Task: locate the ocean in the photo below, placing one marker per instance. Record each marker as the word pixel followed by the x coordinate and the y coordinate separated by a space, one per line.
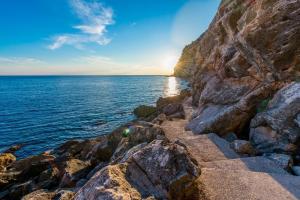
pixel 42 112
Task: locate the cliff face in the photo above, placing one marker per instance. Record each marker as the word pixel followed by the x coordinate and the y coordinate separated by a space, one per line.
pixel 257 39
pixel 250 51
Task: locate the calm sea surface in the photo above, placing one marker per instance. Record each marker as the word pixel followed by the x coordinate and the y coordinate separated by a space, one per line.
pixel 43 112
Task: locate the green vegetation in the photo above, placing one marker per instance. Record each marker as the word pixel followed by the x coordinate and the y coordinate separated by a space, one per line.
pixel 263 105
pixel 144 111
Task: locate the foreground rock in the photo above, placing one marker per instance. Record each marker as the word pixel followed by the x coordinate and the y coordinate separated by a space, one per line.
pixel 72 164
pixel 276 129
pixel 159 170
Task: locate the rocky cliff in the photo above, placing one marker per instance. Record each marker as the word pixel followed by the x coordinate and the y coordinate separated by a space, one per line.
pixel 250 51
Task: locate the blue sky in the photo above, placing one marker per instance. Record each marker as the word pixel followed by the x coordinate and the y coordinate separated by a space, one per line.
pixel 50 37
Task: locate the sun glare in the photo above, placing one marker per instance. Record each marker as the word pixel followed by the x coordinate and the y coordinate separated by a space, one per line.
pixel 169 63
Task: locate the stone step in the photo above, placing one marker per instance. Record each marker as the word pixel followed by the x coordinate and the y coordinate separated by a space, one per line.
pixel 210 147
pixel 174 130
pixel 255 164
pixel 220 184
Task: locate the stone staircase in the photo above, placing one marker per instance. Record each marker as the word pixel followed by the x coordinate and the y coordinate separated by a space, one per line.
pixel 227 176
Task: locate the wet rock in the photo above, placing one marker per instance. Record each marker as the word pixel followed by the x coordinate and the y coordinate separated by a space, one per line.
pixel 144 111
pixel 275 129
pixel 73 171
pixel 13 149
pixel 161 170
pixel 5 160
pixel 243 147
pixel 283 160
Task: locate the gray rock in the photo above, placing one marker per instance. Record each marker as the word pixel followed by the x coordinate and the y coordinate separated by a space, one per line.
pixel 172 109
pixel 296 170
pixel 248 45
pixel 230 137
pixel 96 169
pixel 136 135
pixel 160 169
pixel 275 129
pixel 222 119
pixel 283 160
pixel 297 120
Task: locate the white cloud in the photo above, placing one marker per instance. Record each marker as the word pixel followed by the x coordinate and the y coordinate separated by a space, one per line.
pixel 95 19
pixel 21 61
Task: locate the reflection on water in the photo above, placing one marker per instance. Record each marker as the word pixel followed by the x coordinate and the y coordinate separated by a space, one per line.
pixel 172 86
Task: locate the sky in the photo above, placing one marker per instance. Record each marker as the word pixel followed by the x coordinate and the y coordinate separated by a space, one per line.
pixel 98 37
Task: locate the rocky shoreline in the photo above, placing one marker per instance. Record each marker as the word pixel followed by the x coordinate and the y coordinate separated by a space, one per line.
pixel 135 161
pixel 235 135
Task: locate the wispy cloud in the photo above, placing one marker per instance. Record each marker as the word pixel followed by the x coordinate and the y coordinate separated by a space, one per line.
pixel 19 61
pixel 95 18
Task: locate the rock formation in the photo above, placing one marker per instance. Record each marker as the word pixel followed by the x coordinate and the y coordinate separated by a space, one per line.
pixel 235 136
pixel 249 52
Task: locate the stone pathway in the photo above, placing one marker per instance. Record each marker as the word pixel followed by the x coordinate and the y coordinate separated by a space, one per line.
pixel 226 176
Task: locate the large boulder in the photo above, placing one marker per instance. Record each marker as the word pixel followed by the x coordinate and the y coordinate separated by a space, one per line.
pixel 23 170
pixel 76 149
pixel 144 111
pixel 174 110
pixel 160 170
pixel 223 119
pixel 249 45
pixel 276 128
pixel 135 135
pixel 164 101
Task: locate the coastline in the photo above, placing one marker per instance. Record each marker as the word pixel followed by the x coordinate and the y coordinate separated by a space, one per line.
pixel 72 164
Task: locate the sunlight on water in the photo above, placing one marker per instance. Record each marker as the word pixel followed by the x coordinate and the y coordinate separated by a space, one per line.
pixel 172 87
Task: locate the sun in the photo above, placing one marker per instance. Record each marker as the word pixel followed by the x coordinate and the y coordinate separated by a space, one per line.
pixel 169 62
